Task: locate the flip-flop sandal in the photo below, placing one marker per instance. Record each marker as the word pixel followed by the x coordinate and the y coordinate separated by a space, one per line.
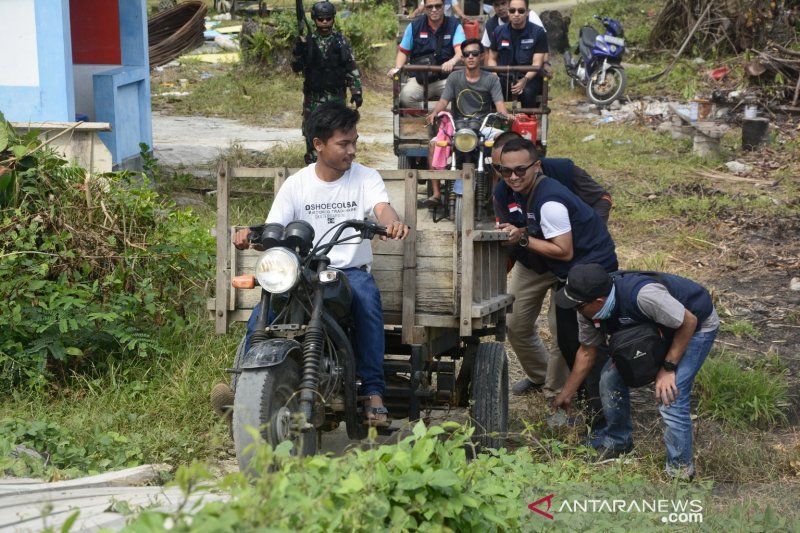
pixel 375 411
pixel 432 202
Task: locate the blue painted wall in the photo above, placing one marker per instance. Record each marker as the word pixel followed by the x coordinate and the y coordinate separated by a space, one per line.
pixel 54 99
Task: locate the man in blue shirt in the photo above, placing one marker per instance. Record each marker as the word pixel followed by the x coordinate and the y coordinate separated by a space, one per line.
pixel 434 39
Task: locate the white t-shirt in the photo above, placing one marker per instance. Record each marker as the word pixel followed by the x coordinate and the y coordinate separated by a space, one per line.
pixel 554 220
pixel 532 16
pixel 324 204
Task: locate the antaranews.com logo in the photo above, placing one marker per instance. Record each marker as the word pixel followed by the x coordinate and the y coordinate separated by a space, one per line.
pixel 672 511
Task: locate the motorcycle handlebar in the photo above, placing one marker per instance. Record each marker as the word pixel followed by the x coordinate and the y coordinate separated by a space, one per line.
pixel 368 229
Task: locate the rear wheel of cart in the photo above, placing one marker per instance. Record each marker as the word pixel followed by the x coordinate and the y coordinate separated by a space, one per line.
pixel 490 395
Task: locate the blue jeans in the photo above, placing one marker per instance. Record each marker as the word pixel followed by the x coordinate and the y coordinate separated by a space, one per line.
pixel 615 395
pixel 370 343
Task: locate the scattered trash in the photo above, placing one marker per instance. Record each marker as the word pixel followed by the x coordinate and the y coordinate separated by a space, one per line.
pixel 589 138
pixel 230 29
pixel 175 93
pixel 222 16
pixel 206 75
pixel 231 57
pixel 719 73
pixel 226 43
pixel 626 141
pixel 737 167
pixel 209 35
pixel 698 60
pixel 795 284
pixel 606 119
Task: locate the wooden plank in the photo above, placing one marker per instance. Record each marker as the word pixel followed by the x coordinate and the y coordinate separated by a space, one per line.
pixel 467 251
pixel 223 261
pixel 409 273
pixel 137 475
pixel 491 305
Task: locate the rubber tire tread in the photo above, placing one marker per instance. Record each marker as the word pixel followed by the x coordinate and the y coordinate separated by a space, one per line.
pixel 489 395
pixel 253 390
pixel 623 81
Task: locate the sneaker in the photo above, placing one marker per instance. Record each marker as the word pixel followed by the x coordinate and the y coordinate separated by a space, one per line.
pixel 607 454
pixel 525 386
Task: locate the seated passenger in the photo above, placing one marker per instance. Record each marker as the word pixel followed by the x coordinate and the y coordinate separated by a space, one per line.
pixel 430 40
pixel 520 43
pixel 472 92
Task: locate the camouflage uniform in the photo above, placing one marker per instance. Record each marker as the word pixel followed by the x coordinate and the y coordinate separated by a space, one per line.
pixel 328 72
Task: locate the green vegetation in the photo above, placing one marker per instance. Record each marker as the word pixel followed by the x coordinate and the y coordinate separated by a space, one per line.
pixel 740 328
pixel 742 393
pixel 427 483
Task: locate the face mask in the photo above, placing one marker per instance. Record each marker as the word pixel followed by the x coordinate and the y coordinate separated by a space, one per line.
pixel 608 308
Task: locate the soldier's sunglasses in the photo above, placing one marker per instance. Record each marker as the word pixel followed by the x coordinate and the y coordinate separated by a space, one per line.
pixel 507 171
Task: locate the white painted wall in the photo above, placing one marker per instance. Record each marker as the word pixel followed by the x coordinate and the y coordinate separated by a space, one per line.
pixel 19 60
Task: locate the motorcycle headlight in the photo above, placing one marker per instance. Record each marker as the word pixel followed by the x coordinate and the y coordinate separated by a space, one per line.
pixel 277 270
pixel 465 140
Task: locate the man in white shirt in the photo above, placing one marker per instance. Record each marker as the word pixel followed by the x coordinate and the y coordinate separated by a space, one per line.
pixel 330 191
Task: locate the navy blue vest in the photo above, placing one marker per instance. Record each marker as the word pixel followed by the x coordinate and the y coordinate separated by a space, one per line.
pixel 591 242
pixel 559 168
pixel 692 295
pixel 491 25
pixel 427 45
pixel 507 54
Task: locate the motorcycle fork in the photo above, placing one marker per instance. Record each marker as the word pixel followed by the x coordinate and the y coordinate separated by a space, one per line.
pixel 313 343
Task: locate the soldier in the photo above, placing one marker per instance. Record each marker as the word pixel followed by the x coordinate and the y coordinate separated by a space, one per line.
pixel 328 66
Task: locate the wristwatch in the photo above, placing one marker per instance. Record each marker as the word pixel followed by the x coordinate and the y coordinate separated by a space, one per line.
pixel 523 241
pixel 669 366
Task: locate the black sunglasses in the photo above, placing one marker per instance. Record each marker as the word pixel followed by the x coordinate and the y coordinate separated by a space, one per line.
pixel 433 7
pixel 324 19
pixel 472 53
pixel 519 171
pixel 520 10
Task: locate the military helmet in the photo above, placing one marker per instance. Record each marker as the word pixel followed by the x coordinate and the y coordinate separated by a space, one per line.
pixel 323 10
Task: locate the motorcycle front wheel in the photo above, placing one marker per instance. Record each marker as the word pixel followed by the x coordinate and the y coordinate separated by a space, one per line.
pixel 265 400
pixel 611 88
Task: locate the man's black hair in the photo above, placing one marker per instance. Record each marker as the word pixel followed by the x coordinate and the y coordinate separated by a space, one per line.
pixel 470 41
pixel 328 118
pixel 504 137
pixel 526 3
pixel 520 144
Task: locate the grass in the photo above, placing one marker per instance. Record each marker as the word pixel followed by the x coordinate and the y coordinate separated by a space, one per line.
pixel 741 392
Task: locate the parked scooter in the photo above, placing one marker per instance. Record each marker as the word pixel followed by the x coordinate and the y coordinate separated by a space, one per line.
pixel 598 65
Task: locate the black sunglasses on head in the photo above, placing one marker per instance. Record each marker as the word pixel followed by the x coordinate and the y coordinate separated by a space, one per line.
pixel 507 171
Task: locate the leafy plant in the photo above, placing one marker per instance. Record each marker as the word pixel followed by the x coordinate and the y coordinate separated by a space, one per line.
pixel 88 265
pixel 740 328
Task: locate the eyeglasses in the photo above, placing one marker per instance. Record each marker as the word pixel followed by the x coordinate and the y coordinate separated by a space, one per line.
pixel 434 7
pixel 472 53
pixel 520 10
pixel 324 19
pixel 519 171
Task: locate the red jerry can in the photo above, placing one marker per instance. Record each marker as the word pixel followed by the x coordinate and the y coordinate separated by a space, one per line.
pixel 472 29
pixel 526 126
